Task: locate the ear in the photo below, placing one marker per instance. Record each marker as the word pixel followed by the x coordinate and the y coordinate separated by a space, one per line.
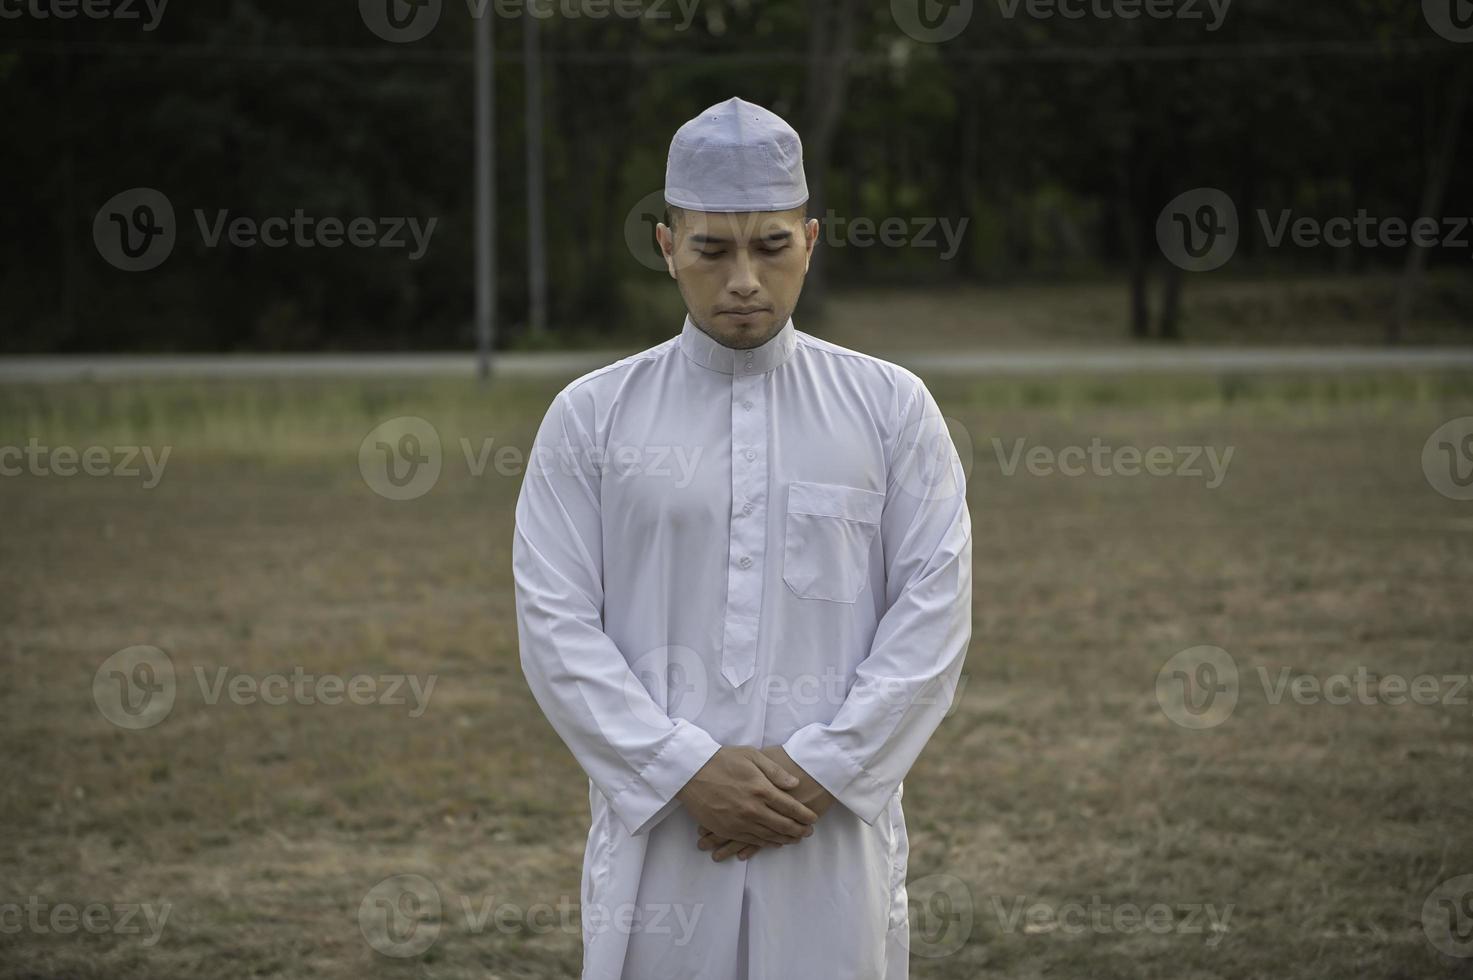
pixel 666 238
pixel 810 234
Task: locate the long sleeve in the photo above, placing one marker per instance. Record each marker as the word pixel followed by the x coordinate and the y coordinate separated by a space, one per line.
pixel 629 747
pixel 905 685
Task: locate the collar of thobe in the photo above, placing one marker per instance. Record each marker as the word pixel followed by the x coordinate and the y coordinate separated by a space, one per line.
pixel 710 353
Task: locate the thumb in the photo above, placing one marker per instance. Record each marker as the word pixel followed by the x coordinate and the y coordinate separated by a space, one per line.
pixel 779 776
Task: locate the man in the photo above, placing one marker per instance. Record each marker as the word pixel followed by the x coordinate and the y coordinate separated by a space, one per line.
pixel 743 565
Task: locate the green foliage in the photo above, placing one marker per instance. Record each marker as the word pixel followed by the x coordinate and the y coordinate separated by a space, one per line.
pixel 1050 137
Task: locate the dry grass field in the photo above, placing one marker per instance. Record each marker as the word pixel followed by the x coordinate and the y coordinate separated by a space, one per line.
pixel 1062 823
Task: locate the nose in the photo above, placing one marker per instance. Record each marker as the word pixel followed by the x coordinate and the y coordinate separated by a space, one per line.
pixel 743 282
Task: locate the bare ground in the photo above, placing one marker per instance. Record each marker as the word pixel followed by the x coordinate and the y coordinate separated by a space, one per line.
pixel 1317 829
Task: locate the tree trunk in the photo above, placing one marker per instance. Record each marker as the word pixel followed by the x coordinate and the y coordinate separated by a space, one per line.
pixel 1170 327
pixel 830 46
pixel 1434 190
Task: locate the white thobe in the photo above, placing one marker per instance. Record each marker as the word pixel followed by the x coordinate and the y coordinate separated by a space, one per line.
pixel 744 547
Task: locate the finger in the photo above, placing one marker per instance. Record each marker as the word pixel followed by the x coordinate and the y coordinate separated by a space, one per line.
pixel 791 808
pixel 759 836
pixel 771 838
pixel 755 830
pixel 748 851
pixel 776 823
pixel 780 777
pixel 729 849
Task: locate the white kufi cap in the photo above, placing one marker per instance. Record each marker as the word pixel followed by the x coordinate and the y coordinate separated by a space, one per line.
pixel 735 156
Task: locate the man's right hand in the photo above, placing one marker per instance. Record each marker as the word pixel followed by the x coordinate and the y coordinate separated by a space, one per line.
pixel 741 795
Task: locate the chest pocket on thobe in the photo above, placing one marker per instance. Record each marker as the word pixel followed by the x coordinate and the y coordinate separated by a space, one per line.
pixel 829 531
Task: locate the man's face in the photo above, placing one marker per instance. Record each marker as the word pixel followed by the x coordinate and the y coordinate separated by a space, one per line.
pixel 739 272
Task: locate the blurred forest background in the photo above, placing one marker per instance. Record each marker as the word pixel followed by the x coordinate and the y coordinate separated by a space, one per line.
pixel 1054 149
pixel 1058 141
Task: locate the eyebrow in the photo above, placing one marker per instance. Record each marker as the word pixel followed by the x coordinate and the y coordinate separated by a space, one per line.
pixel 699 238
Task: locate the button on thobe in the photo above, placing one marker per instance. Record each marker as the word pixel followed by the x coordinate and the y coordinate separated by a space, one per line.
pixel 832 617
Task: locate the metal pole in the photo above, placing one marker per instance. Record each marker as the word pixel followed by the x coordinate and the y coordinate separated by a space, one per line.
pixel 485 197
pixel 536 237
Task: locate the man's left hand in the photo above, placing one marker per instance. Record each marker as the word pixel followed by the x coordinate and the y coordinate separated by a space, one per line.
pixel 809 792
